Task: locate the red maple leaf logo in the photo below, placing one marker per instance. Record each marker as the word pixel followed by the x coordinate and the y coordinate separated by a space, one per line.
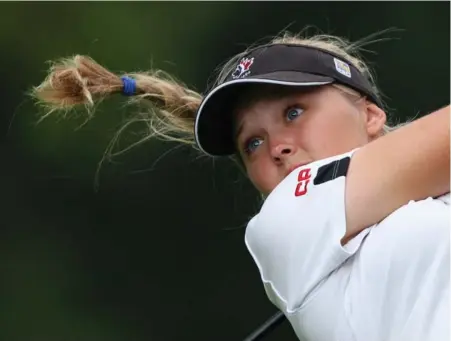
pixel 246 63
pixel 243 67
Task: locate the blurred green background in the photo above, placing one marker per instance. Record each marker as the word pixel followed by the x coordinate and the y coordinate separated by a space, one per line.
pixel 157 252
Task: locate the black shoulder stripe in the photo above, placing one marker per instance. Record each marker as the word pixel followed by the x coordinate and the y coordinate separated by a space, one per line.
pixel 332 170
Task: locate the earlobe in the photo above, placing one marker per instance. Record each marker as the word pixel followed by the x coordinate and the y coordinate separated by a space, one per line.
pixel 375 120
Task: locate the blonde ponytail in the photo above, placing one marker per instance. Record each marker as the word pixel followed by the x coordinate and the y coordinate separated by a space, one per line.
pixel 80 81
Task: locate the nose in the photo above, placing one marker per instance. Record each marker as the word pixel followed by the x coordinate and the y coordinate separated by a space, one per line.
pixel 282 151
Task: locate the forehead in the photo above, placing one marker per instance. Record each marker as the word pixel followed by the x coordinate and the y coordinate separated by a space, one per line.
pixel 255 95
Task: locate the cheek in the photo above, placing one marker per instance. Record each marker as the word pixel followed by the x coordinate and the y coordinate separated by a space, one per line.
pixel 333 133
pixel 263 174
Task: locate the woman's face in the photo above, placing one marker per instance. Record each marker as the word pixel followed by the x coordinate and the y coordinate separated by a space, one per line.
pixel 276 135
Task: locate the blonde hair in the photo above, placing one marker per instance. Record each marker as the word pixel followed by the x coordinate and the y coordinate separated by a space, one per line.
pixel 79 81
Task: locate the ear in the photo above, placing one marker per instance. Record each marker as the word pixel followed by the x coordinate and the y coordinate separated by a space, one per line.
pixel 375 120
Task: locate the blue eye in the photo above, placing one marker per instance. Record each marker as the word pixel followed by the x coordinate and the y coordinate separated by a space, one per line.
pixel 252 144
pixel 293 113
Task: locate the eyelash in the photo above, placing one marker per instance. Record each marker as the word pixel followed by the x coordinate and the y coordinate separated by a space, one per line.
pixel 286 112
pixel 247 143
pixel 290 109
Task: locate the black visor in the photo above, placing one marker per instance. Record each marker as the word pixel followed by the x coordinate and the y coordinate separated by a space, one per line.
pixel 280 64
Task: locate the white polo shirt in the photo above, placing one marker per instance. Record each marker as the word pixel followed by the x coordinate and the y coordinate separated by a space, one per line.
pixel 389 283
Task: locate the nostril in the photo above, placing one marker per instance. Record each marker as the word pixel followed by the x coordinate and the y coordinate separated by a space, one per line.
pixel 286 151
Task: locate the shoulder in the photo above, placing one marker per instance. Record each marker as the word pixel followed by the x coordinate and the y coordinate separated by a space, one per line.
pixel 304 182
pixel 308 191
pixel 295 239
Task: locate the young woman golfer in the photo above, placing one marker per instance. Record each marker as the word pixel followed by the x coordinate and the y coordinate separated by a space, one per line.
pixel 352 240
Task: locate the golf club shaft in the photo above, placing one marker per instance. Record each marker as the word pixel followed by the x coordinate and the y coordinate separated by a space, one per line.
pixel 266 327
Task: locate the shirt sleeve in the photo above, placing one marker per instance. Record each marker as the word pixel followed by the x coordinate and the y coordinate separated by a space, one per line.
pixel 295 239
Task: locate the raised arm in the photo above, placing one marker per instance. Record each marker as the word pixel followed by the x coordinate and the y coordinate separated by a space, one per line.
pixel 411 163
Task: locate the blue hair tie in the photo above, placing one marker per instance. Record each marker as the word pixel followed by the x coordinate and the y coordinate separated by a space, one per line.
pixel 129 86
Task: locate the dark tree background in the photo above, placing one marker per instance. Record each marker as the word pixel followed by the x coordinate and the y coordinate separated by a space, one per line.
pixel 157 252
